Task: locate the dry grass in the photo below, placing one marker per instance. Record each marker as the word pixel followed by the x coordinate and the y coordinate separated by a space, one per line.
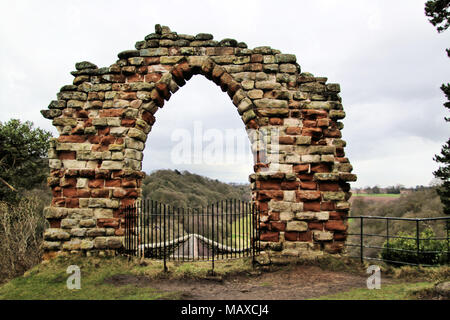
pixel 21 228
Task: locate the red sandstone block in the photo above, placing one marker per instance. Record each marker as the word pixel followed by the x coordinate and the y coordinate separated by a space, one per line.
pixel 128 122
pixel 311 206
pixel 332 133
pixel 58 202
pixel 298 236
pixel 72 139
pixel 320 168
pixel 111 112
pixel 314 112
pixel 256 57
pixel 340 236
pixel 83 114
pixel 269 236
pixel 312 132
pixel 327 206
pixel 308 185
pixel 315 225
pixel 127 95
pixel 67 155
pixel 129 183
pixel 338 215
pixel 334 247
pixel 306 176
pixel 329 186
pixel 148 117
pixel 126 202
pixel 293 130
pixel 254 67
pixel 88 122
pixel 56 192
pixel 340 152
pixel 113 183
pixel 84 193
pixel 94 139
pixel 308 195
pixel 252 124
pixel 103 132
pixel 290 185
pixel 100 193
pixel 277 226
pixel 72 203
pixel 68 182
pixel 268 185
pixel 275 121
pixel 54 223
pixel 335 225
pixel 135 78
pixel 301 168
pixel 286 140
pixel 108 223
pixel 270 194
pixel 70 192
pixel 96 183
pixel 163 90
pixel 119 232
pixel 107 140
pixel 274 216
pixel 151 60
pixel 309 123
pixel 87 173
pixel 263 206
pixel 323 122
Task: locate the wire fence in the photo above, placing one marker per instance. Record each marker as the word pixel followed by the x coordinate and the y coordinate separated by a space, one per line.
pixel 391 240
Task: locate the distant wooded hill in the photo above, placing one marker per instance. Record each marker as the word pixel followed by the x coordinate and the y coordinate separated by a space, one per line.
pixel 185 189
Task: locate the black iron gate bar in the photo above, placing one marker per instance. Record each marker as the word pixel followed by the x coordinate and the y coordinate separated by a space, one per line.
pixel 223 230
pixel 388 236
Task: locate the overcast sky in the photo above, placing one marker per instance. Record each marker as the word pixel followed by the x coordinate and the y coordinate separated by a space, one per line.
pixel 389 60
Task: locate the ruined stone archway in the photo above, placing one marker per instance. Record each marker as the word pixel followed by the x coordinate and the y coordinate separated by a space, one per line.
pixel 104 117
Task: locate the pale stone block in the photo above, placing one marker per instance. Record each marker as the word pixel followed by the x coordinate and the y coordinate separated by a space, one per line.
pixel 289 196
pixel 299 226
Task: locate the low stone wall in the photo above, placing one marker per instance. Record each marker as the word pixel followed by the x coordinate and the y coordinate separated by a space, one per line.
pixel 300 183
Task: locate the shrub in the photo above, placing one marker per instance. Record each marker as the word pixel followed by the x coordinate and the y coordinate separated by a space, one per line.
pixel 431 251
pixel 21 227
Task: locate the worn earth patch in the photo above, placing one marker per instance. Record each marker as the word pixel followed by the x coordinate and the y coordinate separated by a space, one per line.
pixel 294 283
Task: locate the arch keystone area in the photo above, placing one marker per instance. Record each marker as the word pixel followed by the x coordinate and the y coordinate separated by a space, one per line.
pixel 300 183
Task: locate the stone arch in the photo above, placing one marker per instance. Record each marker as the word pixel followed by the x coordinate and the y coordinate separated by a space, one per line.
pixel 104 118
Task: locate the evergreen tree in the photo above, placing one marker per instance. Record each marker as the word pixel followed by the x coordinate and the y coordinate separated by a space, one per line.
pixel 23 156
pixel 438 12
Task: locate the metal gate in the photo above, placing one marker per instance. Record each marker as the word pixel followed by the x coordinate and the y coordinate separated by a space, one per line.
pixel 223 230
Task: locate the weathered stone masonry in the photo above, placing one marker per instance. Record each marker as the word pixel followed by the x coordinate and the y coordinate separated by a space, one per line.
pixel 104 118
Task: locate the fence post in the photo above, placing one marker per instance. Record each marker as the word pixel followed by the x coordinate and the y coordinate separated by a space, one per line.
pixel 252 232
pixel 361 239
pixel 164 244
pixel 448 245
pixel 212 225
pixel 387 232
pixel 417 241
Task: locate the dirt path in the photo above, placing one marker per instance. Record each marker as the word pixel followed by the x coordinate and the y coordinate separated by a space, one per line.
pixel 295 283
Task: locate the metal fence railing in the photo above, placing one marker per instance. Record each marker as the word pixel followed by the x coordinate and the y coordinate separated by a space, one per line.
pixel 400 241
pixel 223 230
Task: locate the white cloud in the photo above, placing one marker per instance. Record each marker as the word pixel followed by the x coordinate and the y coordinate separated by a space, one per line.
pixel 388 58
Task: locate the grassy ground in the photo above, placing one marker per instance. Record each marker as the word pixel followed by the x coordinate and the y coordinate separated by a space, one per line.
pixel 48 281
pixel 402 291
pixel 390 195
